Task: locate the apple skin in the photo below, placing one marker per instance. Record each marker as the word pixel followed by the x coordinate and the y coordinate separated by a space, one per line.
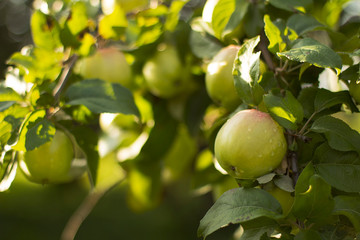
pixel 354 89
pixel 51 163
pixel 164 73
pixel 108 64
pixel 219 79
pixel 285 198
pixel 250 144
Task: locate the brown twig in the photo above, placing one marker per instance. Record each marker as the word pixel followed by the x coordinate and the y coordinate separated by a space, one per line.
pixel 69 64
pixel 265 52
pixel 83 211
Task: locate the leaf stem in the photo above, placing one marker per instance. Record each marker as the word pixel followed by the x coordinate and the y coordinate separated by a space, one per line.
pixel 307 123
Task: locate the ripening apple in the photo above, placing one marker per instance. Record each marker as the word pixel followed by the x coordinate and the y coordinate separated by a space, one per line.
pixel 219 78
pixel 108 64
pixel 52 162
pixel 250 144
pixel 165 75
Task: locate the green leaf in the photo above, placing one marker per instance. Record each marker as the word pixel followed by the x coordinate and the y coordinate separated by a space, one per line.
pixel 339 135
pixel 274 34
pixel 339 169
pixel 238 206
pixel 286 111
pixel 246 73
pixel 256 228
pixel 307 98
pixel 35 131
pixel 326 99
pixel 8 167
pixel 45 31
pixel 113 26
pixel 236 18
pixel 8 94
pixel 5 105
pixel 348 206
pixel 308 235
pixel 202 43
pixel 291 5
pixel 221 16
pixel 313 200
pixel 310 51
pixel 161 136
pixel 174 13
pixel 100 96
pixel 302 24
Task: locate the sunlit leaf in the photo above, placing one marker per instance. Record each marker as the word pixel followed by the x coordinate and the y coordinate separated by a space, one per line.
pixel 286 111
pixel 310 51
pixel 35 131
pixel 273 33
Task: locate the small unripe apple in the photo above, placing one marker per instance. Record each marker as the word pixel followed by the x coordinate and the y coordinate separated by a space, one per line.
pixel 250 144
pixel 219 78
pixel 285 198
pixel 52 162
pixel 164 73
pixel 108 64
pixel 354 89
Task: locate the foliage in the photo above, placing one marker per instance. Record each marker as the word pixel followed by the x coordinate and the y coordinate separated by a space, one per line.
pixel 311 50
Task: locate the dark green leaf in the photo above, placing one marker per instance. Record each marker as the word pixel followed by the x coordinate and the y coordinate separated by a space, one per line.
pixel 339 169
pixel 308 235
pixel 100 96
pixel 310 51
pixel 303 23
pixel 326 99
pixel 339 135
pixel 307 98
pixel 291 5
pixel 35 131
pixel 246 73
pixel 348 206
pixel 237 206
pixel 313 200
pixel 286 111
pixel 256 228
pixel 351 73
pixel 161 136
pixel 202 44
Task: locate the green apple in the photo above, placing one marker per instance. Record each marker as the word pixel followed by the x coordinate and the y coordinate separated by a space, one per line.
pixel 219 79
pixel 52 162
pixel 354 89
pixel 250 144
pixel 165 75
pixel 285 198
pixel 108 64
